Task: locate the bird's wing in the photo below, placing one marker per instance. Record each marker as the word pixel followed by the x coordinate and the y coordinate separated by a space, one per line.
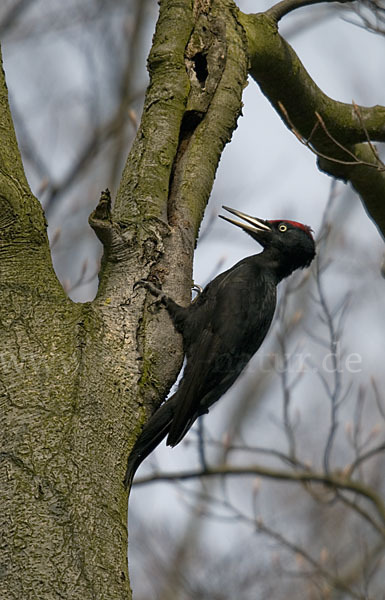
pixel 230 329
pixel 193 386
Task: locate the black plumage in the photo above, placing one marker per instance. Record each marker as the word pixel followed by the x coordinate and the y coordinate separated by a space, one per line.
pixel 224 327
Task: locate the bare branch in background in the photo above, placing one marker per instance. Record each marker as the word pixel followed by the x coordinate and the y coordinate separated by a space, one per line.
pixel 371 15
pixel 10 15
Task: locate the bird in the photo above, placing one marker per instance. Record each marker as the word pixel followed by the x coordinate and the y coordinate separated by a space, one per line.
pixel 223 327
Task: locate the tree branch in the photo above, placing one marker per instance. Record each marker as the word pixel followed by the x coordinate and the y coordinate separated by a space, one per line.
pixel 332 480
pixel 346 128
pixel 22 225
pixel 283 8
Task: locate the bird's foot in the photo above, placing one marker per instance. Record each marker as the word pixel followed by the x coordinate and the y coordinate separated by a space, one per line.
pixel 198 290
pixel 150 287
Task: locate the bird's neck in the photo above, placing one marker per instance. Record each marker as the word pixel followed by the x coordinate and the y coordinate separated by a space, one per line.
pixel 280 265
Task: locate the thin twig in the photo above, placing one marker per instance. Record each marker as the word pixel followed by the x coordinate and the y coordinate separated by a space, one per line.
pixel 363 457
pixel 370 143
pixel 306 142
pixel 285 458
pixel 380 407
pixel 333 139
pixel 364 514
pixel 286 400
pixel 333 392
pixel 335 582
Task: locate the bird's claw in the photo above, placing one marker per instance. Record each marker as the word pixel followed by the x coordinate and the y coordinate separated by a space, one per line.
pixel 198 290
pixel 139 283
pixel 150 287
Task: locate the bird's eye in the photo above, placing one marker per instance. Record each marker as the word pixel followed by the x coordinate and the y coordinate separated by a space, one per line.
pixel 282 227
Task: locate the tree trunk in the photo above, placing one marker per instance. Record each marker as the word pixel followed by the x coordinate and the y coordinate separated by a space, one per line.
pixel 78 381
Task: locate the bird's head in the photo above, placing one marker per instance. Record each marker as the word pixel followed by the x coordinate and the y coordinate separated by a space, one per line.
pixel 288 242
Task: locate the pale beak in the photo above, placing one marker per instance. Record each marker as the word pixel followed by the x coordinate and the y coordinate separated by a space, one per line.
pixel 252 224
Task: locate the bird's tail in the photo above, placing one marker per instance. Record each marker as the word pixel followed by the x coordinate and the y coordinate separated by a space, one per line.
pixel 153 433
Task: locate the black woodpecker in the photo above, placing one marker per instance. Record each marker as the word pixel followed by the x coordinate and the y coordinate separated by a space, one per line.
pixel 224 327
